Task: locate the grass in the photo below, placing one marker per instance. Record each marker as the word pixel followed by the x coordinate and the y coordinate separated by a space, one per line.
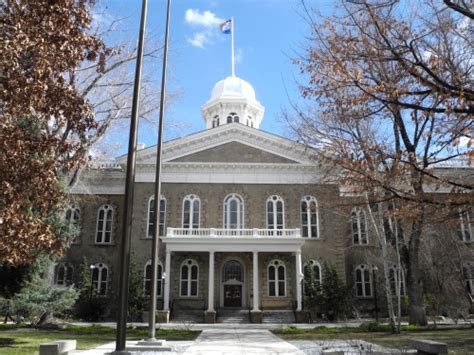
pixel 21 340
pixel 460 341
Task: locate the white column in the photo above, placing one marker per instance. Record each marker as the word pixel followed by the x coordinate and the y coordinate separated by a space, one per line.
pixel 299 277
pixel 166 305
pixel 210 292
pixel 255 283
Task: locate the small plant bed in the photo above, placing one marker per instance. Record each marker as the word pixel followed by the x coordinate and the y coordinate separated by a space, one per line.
pixel 460 341
pixel 24 340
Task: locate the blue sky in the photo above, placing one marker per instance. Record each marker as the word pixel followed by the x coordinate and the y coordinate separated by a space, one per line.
pixel 267 33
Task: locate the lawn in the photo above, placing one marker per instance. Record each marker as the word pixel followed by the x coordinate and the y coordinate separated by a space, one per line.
pixel 16 340
pixel 460 341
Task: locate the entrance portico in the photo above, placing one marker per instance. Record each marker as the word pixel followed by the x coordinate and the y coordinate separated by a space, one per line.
pixel 236 286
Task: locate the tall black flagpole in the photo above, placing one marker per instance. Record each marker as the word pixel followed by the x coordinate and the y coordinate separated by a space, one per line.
pixel 156 226
pixel 129 192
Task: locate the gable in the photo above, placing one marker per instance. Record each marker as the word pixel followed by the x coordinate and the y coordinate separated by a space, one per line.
pixel 234 152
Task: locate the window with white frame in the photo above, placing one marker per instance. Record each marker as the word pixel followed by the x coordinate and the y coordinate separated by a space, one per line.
pixel 105 219
pixel 275 213
pixel 396 278
pixel 215 121
pixel 72 217
pixel 359 227
pixel 100 275
pixel 276 279
pixel 233 212
pixel 191 211
pixel 464 227
pixel 189 278
pixel 151 216
pixel 363 281
pixel 147 279
pixel 63 274
pixel 309 217
pixel 232 117
pixel 312 275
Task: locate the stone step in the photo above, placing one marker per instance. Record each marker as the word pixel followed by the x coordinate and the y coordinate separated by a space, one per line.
pixel 277 316
pixel 187 316
pixel 240 316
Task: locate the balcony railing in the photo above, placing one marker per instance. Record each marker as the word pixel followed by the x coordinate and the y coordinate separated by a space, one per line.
pixel 231 233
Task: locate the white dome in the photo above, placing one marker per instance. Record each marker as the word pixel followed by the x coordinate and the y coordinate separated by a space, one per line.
pixel 233 88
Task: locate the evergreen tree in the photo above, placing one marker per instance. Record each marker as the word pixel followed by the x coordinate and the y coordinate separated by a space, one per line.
pixel 136 295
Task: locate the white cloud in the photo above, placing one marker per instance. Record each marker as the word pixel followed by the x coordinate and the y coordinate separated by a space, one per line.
pixel 206 24
pixel 239 56
pixel 198 40
pixel 204 18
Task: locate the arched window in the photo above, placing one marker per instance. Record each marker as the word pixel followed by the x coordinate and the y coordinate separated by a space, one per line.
pixel 359 227
pixel 72 217
pixel 189 278
pixel 233 271
pixel 151 216
pixel 63 275
pixel 275 213
pixel 191 211
pixel 397 281
pixel 233 212
pixel 215 121
pixel 100 274
pixel 147 279
pixel 464 227
pixel 312 276
pixel 309 217
pixel 276 279
pixel 363 281
pixel 105 219
pixel 233 117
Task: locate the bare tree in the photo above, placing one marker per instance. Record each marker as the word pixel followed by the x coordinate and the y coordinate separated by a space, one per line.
pixel 390 92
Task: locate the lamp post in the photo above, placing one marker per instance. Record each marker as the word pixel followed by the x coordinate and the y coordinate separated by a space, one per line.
pixel 91 267
pixel 374 270
pixel 163 279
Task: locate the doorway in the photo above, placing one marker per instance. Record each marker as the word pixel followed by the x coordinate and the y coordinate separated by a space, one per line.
pixel 232 286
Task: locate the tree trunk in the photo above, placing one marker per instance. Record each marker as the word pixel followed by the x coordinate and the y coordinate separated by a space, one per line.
pixel 417 314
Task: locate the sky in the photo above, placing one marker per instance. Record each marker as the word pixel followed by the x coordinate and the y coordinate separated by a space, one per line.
pixel 267 34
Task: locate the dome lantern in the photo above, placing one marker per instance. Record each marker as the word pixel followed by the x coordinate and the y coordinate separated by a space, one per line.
pixel 233 100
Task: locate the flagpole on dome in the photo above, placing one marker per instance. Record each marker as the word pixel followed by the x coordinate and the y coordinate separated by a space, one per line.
pixel 232 40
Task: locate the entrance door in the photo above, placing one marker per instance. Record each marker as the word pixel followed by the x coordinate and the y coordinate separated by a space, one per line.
pixel 232 295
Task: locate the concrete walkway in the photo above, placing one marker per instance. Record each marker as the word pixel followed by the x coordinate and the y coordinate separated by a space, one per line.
pixel 240 341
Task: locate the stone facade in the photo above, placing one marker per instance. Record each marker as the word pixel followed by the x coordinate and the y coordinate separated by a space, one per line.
pixel 211 165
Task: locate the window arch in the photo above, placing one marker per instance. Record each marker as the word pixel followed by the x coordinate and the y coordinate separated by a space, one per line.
pixel 105 219
pixel 397 280
pixel 233 270
pixel 147 279
pixel 464 227
pixel 100 275
pixel 363 281
pixel 275 213
pixel 312 275
pixel 359 226
pixel 151 216
pixel 276 279
pixel 63 274
pixel 215 121
pixel 191 211
pixel 189 278
pixel 232 117
pixel 233 212
pixel 309 217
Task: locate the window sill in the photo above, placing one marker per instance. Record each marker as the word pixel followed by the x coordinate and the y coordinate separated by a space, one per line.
pixel 104 244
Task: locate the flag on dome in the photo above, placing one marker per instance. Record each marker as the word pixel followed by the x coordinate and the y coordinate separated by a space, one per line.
pixel 226 27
